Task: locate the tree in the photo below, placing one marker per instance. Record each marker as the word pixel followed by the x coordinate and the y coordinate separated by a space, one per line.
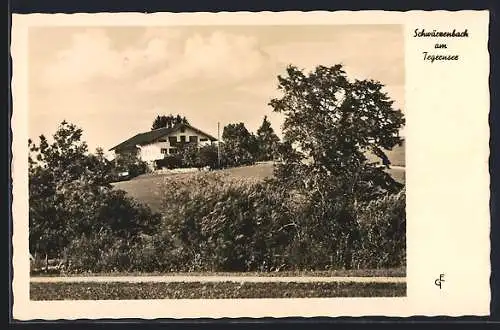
pixel 240 146
pixel 101 167
pixel 70 194
pixel 208 156
pixel 52 166
pixel 190 155
pixel 267 141
pixel 168 121
pixel 131 162
pixel 330 125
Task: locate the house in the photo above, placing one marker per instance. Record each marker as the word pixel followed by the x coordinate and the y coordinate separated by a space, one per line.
pixel 156 144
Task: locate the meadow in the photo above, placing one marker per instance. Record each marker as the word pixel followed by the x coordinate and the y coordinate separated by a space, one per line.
pixel 384 272
pixel 149 188
pixel 211 290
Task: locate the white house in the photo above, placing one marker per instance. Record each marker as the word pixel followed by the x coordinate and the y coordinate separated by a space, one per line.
pixel 155 144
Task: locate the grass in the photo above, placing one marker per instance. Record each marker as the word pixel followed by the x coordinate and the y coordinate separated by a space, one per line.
pixel 390 272
pixel 396 156
pixel 216 290
pixel 148 188
pixel 398 173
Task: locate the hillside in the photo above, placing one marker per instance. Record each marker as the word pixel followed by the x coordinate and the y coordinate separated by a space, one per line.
pixel 148 188
pixel 396 156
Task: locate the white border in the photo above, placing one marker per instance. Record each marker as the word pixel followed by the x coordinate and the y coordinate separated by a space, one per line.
pixel 447 176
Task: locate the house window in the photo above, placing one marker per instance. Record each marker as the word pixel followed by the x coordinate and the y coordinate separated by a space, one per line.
pixel 183 129
pixel 164 150
pixel 203 139
pixel 172 150
pixel 172 140
pixel 193 139
pixel 183 139
pixel 162 140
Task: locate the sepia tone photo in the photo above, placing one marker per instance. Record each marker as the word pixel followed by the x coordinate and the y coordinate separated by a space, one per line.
pixel 216 162
pixel 272 164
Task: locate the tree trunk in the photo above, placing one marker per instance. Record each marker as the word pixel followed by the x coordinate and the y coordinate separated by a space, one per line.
pixel 46 262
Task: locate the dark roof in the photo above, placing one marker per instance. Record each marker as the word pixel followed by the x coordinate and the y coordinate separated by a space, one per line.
pixel 148 137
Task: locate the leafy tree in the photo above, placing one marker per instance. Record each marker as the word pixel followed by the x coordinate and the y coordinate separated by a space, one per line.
pixel 168 121
pixel 101 167
pixel 51 167
pixel 240 146
pixel 131 162
pixel 267 140
pixel 208 156
pixel 330 125
pixel 70 194
pixel 190 155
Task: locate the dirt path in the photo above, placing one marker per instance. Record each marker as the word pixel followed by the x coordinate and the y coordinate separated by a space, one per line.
pixel 252 279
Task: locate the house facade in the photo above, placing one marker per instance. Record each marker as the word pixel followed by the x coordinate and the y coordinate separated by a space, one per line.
pixel 156 144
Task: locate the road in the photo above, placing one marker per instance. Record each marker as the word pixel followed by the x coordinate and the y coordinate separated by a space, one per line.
pixel 239 279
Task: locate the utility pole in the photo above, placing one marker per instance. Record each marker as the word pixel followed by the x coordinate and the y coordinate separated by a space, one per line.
pixel 218 144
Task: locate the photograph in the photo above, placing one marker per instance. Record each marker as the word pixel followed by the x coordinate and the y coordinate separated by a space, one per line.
pixel 250 165
pixel 216 162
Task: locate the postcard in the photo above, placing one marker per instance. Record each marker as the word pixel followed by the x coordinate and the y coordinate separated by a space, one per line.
pixel 209 165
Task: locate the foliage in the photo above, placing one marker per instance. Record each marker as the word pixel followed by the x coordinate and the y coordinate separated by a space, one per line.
pixel 170 161
pixel 168 121
pixel 223 224
pixel 267 141
pixel 240 146
pixel 70 196
pixel 383 228
pixel 189 154
pixel 331 123
pixel 327 207
pixel 130 161
pixel 208 156
pixel 214 222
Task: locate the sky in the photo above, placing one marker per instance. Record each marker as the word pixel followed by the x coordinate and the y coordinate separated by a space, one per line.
pixel 113 81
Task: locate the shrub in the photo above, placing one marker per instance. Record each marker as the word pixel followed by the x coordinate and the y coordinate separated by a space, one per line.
pixel 219 223
pixel 226 224
pixel 97 253
pixel 382 224
pixel 208 156
pixel 212 222
pixel 170 161
pixel 138 168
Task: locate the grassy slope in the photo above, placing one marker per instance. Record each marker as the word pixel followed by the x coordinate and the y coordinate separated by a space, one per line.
pixel 396 156
pixel 148 188
pixel 220 290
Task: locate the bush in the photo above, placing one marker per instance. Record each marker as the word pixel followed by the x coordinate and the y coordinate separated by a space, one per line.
pixel 223 224
pixel 212 222
pixel 97 253
pixel 208 156
pixel 138 168
pixel 170 161
pixel 96 225
pixel 382 224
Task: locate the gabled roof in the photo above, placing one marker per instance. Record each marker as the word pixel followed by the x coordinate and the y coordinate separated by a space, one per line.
pixel 153 135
